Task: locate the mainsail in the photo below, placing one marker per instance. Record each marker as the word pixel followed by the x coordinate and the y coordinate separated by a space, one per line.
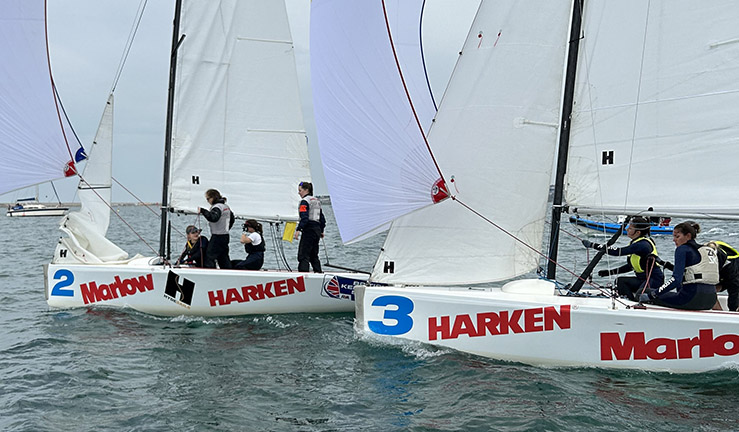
pixel 238 123
pixel 36 139
pixel 656 108
pixel 375 159
pixel 494 136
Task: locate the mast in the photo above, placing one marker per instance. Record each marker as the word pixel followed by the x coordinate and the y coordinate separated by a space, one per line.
pixel 564 134
pixel 176 41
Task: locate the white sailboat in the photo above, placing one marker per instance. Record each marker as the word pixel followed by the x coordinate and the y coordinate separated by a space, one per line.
pixel 643 82
pixel 234 124
pixel 31 207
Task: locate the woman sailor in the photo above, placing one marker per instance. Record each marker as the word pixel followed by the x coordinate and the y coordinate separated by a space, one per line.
pixel 311 225
pixel 642 259
pixel 220 219
pixel 695 275
pixel 253 242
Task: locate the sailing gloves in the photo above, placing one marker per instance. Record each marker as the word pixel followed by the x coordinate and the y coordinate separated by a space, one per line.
pixel 589 244
pixel 604 273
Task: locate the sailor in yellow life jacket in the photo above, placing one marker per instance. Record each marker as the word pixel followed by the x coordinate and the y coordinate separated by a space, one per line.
pixel 642 259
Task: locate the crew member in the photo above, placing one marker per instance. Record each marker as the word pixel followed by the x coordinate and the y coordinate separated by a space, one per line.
pixel 695 275
pixel 220 219
pixel 195 248
pixel 311 225
pixel 253 241
pixel 642 259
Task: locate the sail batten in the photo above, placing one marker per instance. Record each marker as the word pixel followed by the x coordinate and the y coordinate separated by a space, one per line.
pixel 659 130
pixel 238 121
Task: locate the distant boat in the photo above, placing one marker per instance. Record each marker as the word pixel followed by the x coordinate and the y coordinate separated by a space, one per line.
pixel 612 228
pixel 27 207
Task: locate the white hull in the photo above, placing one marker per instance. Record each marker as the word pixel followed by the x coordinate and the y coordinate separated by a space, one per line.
pixel 52 211
pixel 168 291
pixel 545 329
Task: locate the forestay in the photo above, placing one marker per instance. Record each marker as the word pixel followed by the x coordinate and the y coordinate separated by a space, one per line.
pixel 375 159
pixel 238 120
pixel 656 108
pixel 36 139
pixel 495 135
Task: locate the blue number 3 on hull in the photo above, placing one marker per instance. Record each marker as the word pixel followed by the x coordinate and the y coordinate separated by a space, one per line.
pixel 402 315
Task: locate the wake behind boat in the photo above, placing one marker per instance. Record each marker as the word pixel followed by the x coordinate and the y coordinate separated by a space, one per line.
pixel 611 228
pixel 467 203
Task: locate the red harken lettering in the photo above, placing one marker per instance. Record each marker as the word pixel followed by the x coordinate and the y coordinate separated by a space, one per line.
pixel 503 322
pixel 257 292
pixel 634 345
pixel 93 293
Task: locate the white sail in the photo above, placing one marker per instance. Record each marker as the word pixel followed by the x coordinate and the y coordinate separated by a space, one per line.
pixel 656 108
pixel 86 228
pixel 495 134
pixel 238 120
pixel 36 140
pixel 375 159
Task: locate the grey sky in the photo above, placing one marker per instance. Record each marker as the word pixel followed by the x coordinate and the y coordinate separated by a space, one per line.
pixel 87 38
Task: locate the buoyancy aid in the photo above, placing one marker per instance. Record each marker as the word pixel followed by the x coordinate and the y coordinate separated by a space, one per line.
pixel 223 224
pixel 636 261
pixel 251 247
pixel 731 253
pixel 706 270
pixel 314 208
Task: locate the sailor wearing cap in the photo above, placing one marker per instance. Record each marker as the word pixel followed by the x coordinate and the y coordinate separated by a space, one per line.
pixel 642 259
pixel 195 248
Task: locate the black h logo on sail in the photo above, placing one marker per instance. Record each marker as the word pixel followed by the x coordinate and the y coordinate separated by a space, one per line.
pixel 389 267
pixel 195 179
pixel 607 157
pixel 185 289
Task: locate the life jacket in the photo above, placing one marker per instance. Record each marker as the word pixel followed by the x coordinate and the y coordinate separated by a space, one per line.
pixel 251 247
pixel 730 252
pixel 223 224
pixel 314 208
pixel 636 261
pixel 706 270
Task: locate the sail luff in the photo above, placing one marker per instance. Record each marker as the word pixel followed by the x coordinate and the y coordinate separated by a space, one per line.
pixel 168 129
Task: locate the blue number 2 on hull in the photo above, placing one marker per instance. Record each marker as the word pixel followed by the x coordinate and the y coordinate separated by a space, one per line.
pixel 402 315
pixel 67 279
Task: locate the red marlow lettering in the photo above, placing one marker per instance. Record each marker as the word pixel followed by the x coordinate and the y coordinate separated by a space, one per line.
pixel 705 342
pixel 89 293
pixel 719 345
pixel 296 284
pixel 611 346
pixel 232 295
pixel 104 292
pixel 144 283
pixel 562 318
pixel 463 325
pixel 487 322
pixel 129 286
pixel 439 327
pixel 216 298
pixel 685 347
pixel 280 288
pixel 531 317
pixel 668 353
pixel 510 323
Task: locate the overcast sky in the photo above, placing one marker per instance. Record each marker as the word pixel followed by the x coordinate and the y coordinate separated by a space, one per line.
pixel 87 38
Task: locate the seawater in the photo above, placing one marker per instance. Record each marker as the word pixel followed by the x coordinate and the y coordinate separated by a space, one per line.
pixel 110 370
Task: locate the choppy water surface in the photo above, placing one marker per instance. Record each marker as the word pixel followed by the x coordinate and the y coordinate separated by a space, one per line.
pixel 99 369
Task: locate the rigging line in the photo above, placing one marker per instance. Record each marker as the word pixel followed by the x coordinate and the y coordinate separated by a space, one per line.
pixel 82 179
pixel 57 195
pixel 636 105
pixel 129 43
pixel 593 284
pixel 423 58
pixel 133 195
pixel 53 86
pixel 408 95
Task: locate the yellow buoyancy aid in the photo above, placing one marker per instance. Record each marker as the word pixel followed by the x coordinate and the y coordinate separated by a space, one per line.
pixel 635 260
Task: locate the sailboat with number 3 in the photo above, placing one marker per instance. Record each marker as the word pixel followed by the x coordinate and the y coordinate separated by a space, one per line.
pixel 467 202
